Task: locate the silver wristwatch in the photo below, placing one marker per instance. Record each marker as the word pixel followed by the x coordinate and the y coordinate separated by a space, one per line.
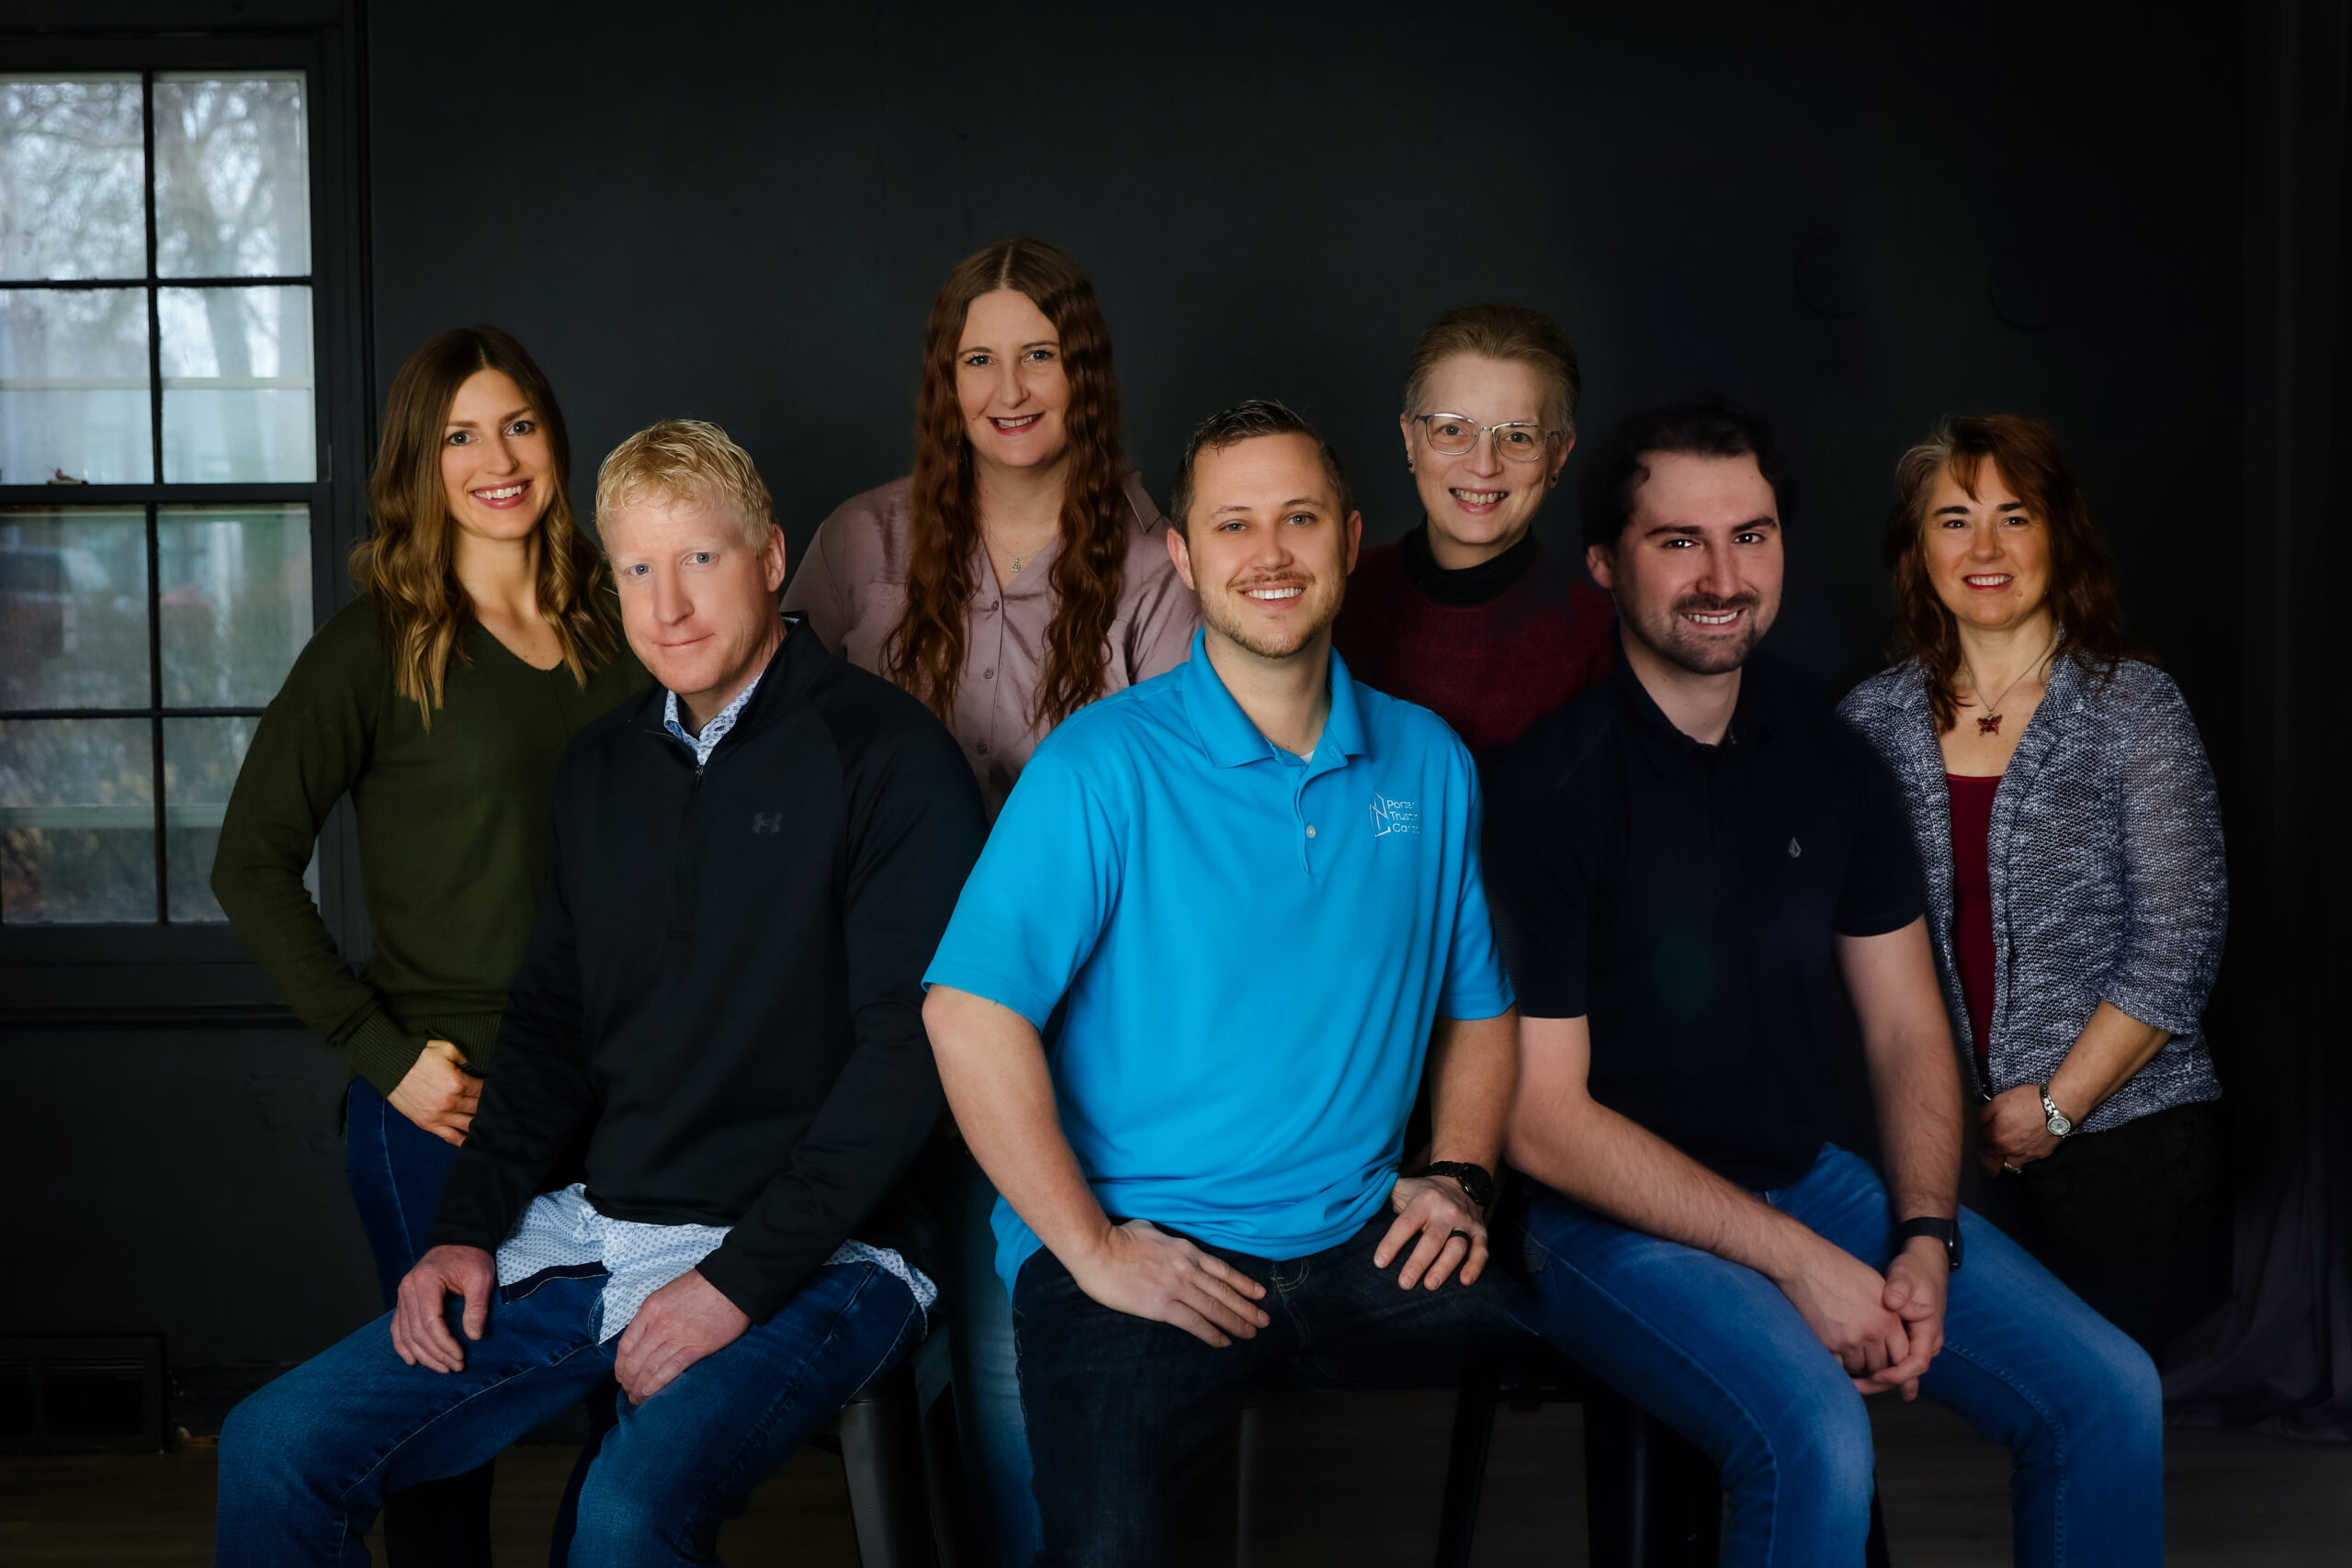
pixel 2060 1123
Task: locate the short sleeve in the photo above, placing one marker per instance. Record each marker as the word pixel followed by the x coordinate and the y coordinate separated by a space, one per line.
pixel 1539 879
pixel 1035 905
pixel 1883 890
pixel 820 588
pixel 1476 985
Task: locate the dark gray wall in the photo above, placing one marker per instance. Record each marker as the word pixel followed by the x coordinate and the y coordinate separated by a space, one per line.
pixel 741 212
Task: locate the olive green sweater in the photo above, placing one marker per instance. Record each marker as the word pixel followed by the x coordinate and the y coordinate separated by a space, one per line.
pixel 453 827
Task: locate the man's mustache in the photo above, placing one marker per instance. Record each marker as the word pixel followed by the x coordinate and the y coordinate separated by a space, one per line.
pixel 1714 605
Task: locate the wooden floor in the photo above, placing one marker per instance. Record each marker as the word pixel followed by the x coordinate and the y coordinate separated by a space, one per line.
pixel 1340 1479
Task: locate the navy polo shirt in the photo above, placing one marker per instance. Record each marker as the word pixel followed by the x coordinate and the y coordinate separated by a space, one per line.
pixel 1686 899
pixel 1234 954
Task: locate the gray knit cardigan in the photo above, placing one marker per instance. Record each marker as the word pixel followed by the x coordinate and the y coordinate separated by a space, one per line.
pixel 2107 873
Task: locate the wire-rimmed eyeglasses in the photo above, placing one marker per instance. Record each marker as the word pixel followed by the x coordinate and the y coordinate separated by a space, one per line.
pixel 1518 441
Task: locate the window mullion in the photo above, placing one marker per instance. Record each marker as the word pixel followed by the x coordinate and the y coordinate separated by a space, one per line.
pixel 155 709
pixel 154 314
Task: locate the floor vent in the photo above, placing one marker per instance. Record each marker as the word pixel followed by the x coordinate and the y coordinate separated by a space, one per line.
pixel 97 1394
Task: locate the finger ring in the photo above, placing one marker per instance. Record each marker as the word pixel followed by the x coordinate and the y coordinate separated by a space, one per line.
pixel 2013 1170
pixel 1464 1235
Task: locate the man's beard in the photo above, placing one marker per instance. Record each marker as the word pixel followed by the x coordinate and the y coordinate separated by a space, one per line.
pixel 1684 646
pixel 1213 610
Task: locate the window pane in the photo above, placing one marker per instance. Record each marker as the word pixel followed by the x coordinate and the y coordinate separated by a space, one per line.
pixel 235 603
pixel 237 384
pixel 72 202
pixel 73 386
pixel 77 821
pixel 74 609
pixel 233 178
pixel 202 757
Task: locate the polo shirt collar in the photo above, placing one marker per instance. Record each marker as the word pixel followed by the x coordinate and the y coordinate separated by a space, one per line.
pixel 1229 738
pixel 1750 716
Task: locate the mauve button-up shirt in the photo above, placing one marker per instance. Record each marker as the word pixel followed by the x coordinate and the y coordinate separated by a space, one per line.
pixel 852 586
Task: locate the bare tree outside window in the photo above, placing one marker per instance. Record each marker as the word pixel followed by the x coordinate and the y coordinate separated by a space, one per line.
pixel 155 331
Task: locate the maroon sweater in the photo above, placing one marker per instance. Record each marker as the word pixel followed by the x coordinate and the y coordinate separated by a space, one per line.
pixel 1537 636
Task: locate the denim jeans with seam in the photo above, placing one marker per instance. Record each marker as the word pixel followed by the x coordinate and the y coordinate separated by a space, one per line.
pixel 1715 1350
pixel 306 1462
pixel 1123 1410
pixel 988 1383
pixel 397 1171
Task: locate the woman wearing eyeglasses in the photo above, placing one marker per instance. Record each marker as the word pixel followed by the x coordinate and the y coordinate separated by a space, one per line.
pixel 1469 614
pixel 1018 575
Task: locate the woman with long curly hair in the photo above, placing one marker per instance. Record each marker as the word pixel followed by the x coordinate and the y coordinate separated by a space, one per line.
pixel 439 700
pixel 2066 819
pixel 1019 573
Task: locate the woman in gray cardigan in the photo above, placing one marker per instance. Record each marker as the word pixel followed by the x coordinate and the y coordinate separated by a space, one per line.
pixel 2067 823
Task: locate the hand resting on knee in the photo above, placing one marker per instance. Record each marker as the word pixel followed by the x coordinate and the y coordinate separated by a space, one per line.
pixel 421 1335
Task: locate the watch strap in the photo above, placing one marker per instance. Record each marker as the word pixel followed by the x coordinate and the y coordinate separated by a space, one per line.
pixel 1943 1230
pixel 1476 1179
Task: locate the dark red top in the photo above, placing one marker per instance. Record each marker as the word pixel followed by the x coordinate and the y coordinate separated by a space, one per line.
pixel 1488 668
pixel 1972 900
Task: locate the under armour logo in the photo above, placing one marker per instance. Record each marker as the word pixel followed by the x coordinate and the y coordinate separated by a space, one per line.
pixel 1796 848
pixel 767 821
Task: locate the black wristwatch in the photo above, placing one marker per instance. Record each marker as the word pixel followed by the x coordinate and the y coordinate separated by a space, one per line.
pixel 1475 1180
pixel 1945 1231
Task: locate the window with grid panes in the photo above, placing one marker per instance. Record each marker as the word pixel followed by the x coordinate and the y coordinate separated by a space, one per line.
pixel 156 380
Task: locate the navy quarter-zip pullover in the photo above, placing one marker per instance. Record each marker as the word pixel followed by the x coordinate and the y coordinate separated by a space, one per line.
pixel 721 998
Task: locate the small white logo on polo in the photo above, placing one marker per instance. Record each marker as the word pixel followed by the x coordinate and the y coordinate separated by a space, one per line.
pixel 767 821
pixel 1394 816
pixel 1796 848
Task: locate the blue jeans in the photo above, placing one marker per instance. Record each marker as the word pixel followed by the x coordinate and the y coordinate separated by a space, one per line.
pixel 988 1387
pixel 1715 1350
pixel 397 1169
pixel 1122 1410
pixel 306 1462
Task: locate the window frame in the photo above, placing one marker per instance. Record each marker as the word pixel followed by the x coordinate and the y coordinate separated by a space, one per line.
pixel 51 974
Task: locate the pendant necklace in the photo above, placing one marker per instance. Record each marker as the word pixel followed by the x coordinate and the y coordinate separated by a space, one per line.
pixel 1016 568
pixel 1990 723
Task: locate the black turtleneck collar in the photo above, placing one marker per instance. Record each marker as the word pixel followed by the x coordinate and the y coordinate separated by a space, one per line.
pixel 1472 584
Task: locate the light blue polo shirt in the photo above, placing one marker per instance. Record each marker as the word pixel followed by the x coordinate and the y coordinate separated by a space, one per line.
pixel 1247 950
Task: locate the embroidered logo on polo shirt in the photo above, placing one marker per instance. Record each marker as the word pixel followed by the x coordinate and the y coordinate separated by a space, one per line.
pixel 1395 817
pixel 767 821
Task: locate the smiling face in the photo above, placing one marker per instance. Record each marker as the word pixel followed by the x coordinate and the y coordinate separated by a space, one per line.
pixel 1478 503
pixel 497 466
pixel 1010 384
pixel 1266 545
pixel 1696 572
pixel 1986 554
pixel 697 595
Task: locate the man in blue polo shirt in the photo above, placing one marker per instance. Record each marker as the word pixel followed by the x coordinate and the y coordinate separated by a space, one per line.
pixel 1184 1005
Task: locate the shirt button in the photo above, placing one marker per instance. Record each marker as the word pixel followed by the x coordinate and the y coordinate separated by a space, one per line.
pixel 982 748
pixel 992 604
pixel 1310 829
pixel 988 674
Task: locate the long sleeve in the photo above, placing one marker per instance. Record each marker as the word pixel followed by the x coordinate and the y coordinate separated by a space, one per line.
pixel 2176 883
pixel 311 746
pixel 540 1098
pixel 915 828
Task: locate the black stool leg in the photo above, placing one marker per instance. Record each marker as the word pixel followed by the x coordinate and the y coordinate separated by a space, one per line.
pixel 1466 1465
pixel 1652 1498
pixel 1875 1549
pixel 881 1437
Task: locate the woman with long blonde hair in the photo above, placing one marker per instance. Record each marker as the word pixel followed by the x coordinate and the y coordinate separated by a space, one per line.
pixel 440 701
pixel 1019 572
